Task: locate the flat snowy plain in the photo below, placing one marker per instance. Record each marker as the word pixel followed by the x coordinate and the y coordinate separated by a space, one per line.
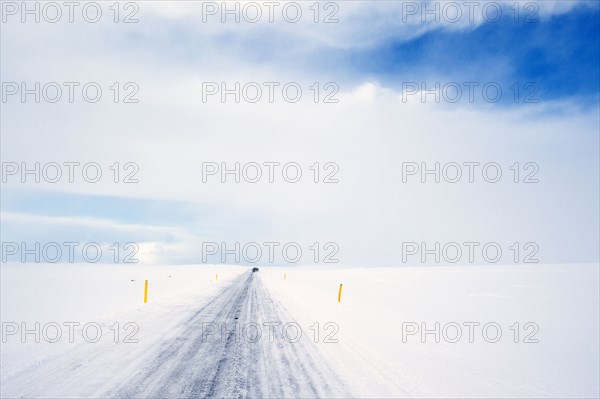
pixel 371 344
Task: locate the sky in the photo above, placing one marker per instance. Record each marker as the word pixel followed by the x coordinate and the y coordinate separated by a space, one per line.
pixel 492 87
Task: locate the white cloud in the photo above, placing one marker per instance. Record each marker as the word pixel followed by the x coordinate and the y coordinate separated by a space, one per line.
pixel 361 23
pixel 369 134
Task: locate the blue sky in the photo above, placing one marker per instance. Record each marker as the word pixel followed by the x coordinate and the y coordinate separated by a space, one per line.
pixel 122 209
pixel 558 52
pixel 561 55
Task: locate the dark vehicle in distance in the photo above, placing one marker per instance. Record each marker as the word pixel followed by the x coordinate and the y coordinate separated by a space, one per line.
pixel 254 269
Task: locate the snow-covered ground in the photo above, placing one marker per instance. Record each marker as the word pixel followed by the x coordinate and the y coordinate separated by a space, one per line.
pixel 101 294
pixel 50 292
pixel 378 351
pixel 562 300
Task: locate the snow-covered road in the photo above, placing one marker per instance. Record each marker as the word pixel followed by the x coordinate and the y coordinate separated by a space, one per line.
pixel 211 358
pixel 203 355
pixel 178 349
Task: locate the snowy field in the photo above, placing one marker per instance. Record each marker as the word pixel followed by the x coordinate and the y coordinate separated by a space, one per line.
pixel 373 341
pixel 97 294
pixel 47 292
pixel 563 300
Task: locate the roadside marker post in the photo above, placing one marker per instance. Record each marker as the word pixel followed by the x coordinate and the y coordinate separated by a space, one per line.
pixel 284 275
pixel 217 277
pixel 146 291
pixel 340 294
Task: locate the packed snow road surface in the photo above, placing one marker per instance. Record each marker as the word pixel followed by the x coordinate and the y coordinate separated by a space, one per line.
pixel 231 345
pixel 213 358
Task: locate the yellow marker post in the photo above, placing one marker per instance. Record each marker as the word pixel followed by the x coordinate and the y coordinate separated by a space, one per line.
pixel 217 277
pixel 284 275
pixel 146 291
pixel 340 294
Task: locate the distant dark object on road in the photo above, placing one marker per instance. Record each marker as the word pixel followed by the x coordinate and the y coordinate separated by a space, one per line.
pixel 254 269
